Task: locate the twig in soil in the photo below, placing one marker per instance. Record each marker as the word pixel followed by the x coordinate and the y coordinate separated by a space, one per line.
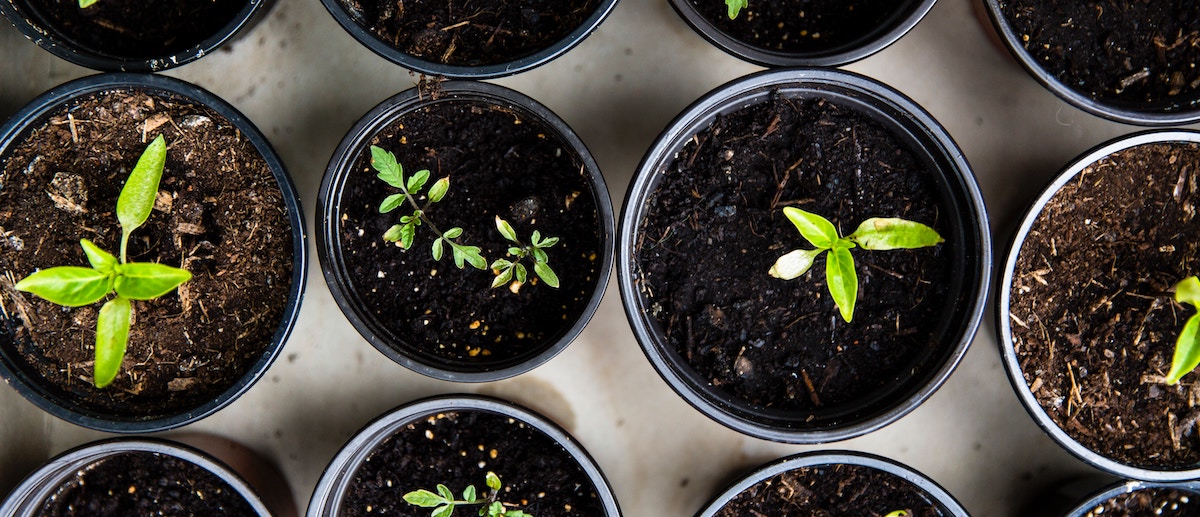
pixel 812 391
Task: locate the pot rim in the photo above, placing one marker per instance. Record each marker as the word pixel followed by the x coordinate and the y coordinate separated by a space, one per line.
pixel 1003 306
pixel 492 71
pixel 959 183
pixel 339 473
pixel 1103 109
pixel 39 484
pixel 1115 489
pixel 329 249
pixel 895 27
pixel 29 385
pixel 50 39
pixel 834 457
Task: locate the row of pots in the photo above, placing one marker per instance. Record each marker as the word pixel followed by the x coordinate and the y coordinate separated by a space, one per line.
pixel 1149 89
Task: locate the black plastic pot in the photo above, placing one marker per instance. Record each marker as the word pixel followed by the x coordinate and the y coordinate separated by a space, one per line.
pixel 1004 300
pixel 332 254
pixel 247 474
pixel 339 474
pixel 1161 114
pixel 352 24
pixel 968 227
pixel 874 39
pixel 1089 503
pixel 41 29
pixel 62 404
pixel 933 493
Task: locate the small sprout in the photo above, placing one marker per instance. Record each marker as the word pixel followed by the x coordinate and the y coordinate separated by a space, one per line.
pixel 1187 346
pixel 508 270
pixel 443 502
pixel 75 286
pixel 872 234
pixel 735 6
pixel 84 4
pixel 899 513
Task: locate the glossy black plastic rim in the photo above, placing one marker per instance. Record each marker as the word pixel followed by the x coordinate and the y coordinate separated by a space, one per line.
pixel 1124 487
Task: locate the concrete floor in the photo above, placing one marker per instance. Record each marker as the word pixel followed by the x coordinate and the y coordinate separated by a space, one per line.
pixel 304 81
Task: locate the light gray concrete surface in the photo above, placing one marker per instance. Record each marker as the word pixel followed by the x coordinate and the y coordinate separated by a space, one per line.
pixel 304 81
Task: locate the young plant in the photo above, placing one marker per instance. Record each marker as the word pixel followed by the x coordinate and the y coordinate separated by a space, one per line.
pixel 444 502
pixel 872 234
pixel 735 6
pixel 84 4
pixel 899 513
pixel 506 270
pixel 392 173
pixel 75 286
pixel 1187 346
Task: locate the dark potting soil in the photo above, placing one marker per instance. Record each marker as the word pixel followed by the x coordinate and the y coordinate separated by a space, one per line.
pixel 500 162
pixel 145 483
pixel 220 215
pixel 1093 321
pixel 470 32
pixel 830 491
pixel 1149 502
pixel 715 226
pixel 128 28
pixel 458 449
pixel 1125 52
pixel 804 25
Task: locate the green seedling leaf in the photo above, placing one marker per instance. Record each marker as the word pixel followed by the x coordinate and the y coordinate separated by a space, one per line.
pixel 392 202
pixel 794 264
pixel 423 498
pixel 1188 291
pixel 503 278
pixel 815 229
pixel 453 233
pixel 521 273
pixel 408 232
pixel 492 481
pixel 389 170
pixel 546 274
pixel 550 241
pixel 501 264
pixel 137 196
pixel 469 494
pixel 539 256
pixel 84 4
pixel 112 335
pixel 518 252
pixel 892 233
pixel 516 513
pixel 506 230
pixel 71 286
pixel 843 281
pixel 439 189
pixel 735 6
pixel 418 180
pixel 898 513
pixel 437 249
pixel 147 281
pixel 1187 346
pixel 443 511
pixel 445 492
pixel 100 260
pixel 393 234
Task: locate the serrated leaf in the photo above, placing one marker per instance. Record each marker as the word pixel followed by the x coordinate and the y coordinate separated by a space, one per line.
pixel 1187 350
pixel 418 180
pixel 546 274
pixel 392 202
pixel 492 480
pixel 453 233
pixel 842 280
pixel 506 230
pixel 794 264
pixel 471 255
pixel 423 498
pixel 72 286
pixel 892 233
pixel 100 260
pixel 503 278
pixel 817 230
pixel 147 281
pixel 520 272
pixel 469 494
pixel 439 189
pixel 389 169
pixel 1188 291
pixel 112 336
pixel 437 249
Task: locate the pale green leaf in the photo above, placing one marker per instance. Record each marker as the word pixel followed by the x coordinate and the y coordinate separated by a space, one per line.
pixel 1188 291
pixel 137 196
pixel 735 6
pixel 471 255
pixel 516 513
pixel 423 498
pixel 418 180
pixel 112 336
pixel 496 509
pixel 453 233
pixel 501 264
pixel 794 264
pixel 389 170
pixel 469 494
pixel 898 513
pixel 1187 350
pixel 147 281
pixel 443 511
pixel 439 189
pixel 445 492
pixel 539 255
pixel 72 286
pixel 506 230
pixel 842 280
pixel 546 274
pixel 392 202
pixel 536 237
pixel 437 249
pixel 408 232
pixel 814 228
pixel 503 278
pixel 520 273
pixel 492 480
pixel 516 251
pixel 84 4
pixel 549 241
pixel 100 260
pixel 393 234
pixel 892 233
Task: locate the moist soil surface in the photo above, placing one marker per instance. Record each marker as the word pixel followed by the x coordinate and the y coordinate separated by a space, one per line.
pixel 830 491
pixel 458 449
pixel 715 226
pixel 1093 317
pixel 127 28
pixel 1150 502
pixel 502 163
pixel 470 32
pixel 145 483
pixel 1118 52
pixel 804 26
pixel 219 214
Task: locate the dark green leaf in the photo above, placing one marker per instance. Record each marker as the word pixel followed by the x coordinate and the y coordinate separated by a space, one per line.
pixel 423 498
pixel 891 233
pixel 392 202
pixel 814 228
pixel 506 230
pixel 438 190
pixel 112 335
pixel 794 264
pixel 100 260
pixel 389 170
pixel 71 286
pixel 503 278
pixel 546 274
pixel 147 281
pixel 843 280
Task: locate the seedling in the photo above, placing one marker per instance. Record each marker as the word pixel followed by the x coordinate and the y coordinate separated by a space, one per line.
pixel 392 173
pixel 899 513
pixel 444 502
pixel 75 286
pixel 506 269
pixel 873 234
pixel 735 6
pixel 1187 347
pixel 84 4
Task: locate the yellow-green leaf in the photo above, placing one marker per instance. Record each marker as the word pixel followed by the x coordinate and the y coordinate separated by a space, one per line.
pixel 891 233
pixel 735 6
pixel 492 480
pixel 100 260
pixel 505 229
pixel 389 170
pixel 86 3
pixel 1187 350
pixel 147 281
pixel 843 281
pixel 1188 291
pixel 546 274
pixel 112 335
pixel 72 286
pixel 794 264
pixel 438 190
pixel 137 196
pixel 423 498
pixel 815 229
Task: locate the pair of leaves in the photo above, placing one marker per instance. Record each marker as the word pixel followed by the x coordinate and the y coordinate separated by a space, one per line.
pixel 1187 346
pixel 508 270
pixel 735 6
pixel 443 502
pixel 462 254
pixel 840 275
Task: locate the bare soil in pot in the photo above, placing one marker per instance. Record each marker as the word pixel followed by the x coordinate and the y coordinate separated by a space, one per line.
pixel 1093 321
pixel 1149 502
pixel 1120 52
pixel 470 32
pixel 132 29
pixel 500 162
pixel 220 214
pixel 832 490
pixel 458 449
pixel 803 25
pixel 715 229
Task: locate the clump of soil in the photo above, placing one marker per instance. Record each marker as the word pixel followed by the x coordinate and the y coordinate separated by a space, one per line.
pixel 501 162
pixel 1093 319
pixel 833 490
pixel 809 26
pixel 1122 52
pixel 470 32
pixel 715 226
pixel 219 214
pixel 1149 502
pixel 144 483
pixel 128 28
pixel 458 449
